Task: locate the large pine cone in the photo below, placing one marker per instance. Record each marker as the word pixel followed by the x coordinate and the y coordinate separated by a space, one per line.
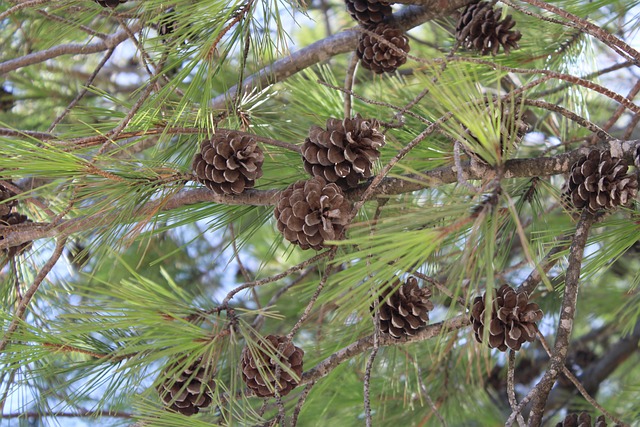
pixel 9 220
pixel 369 12
pixel 190 390
pixel 110 3
pixel 259 366
pixel 406 311
pixel 378 56
pixel 310 212
pixel 6 206
pixel 344 152
pixel 480 28
pixel 582 420
pixel 7 100
pixel 599 181
pixel 512 320
pixel 229 163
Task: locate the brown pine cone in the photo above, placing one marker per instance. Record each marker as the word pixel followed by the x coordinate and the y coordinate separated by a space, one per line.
pixel 310 212
pixel 599 181
pixel 582 420
pixel 369 12
pixel 344 152
pixel 110 3
pixel 229 162
pixel 259 366
pixel 6 206
pixel 406 311
pixel 480 28
pixel 9 220
pixel 512 320
pixel 379 56
pixel 189 390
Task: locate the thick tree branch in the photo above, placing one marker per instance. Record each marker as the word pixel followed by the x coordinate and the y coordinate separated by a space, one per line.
pixel 325 49
pixel 67 49
pixel 515 168
pixel 565 323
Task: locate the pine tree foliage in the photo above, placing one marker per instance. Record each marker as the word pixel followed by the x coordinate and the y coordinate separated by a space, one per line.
pixel 132 275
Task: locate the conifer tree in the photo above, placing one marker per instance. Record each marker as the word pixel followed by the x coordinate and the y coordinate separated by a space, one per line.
pixel 319 213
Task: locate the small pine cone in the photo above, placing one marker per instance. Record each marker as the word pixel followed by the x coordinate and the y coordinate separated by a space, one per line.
pixel 512 320
pixel 368 12
pixel 377 55
pixel 406 311
pixel 480 28
pixel 582 420
pixel 344 152
pixel 12 219
pixel 6 206
pixel 310 212
pixel 599 181
pixel 229 163
pixel 188 391
pixel 259 366
pixel 7 100
pixel 110 3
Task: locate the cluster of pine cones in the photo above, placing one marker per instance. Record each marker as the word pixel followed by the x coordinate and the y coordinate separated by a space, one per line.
pixel 9 217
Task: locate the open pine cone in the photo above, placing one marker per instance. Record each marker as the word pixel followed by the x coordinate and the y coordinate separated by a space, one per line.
pixel 368 12
pixel 383 56
pixel 599 181
pixel 480 28
pixel 229 163
pixel 110 3
pixel 9 220
pixel 190 390
pixel 344 152
pixel 406 311
pixel 6 206
pixel 512 320
pixel 582 420
pixel 259 368
pixel 310 212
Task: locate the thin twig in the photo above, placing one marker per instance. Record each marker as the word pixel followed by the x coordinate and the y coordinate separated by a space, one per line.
pixel 511 392
pixel 348 84
pixel 84 91
pixel 20 312
pixel 301 399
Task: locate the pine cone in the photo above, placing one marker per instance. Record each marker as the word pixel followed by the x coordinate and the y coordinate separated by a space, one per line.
pixel 512 320
pixel 6 206
pixel 377 55
pixel 229 163
pixel 12 219
pixel 7 100
pixel 582 420
pixel 480 28
pixel 188 391
pixel 110 3
pixel 406 311
pixel 310 212
pixel 599 181
pixel 368 12
pixel 344 152
pixel 259 367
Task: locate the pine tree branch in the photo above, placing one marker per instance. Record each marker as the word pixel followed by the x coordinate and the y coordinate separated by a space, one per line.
pixel 541 391
pixel 67 49
pixel 342 42
pixel 515 168
pixel 323 368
